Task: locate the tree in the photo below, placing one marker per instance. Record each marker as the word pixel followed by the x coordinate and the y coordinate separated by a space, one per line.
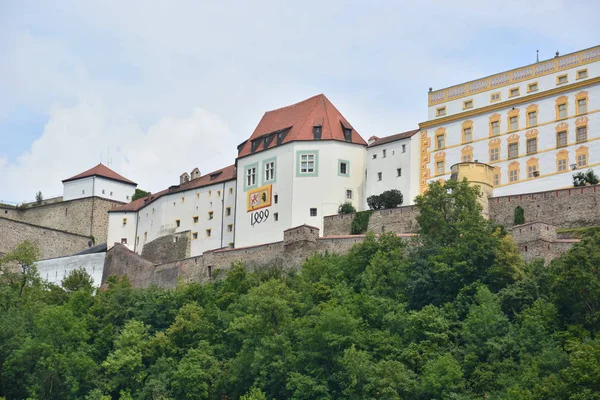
pixel 388 199
pixel 585 178
pixel 346 208
pixel 374 202
pixel 139 193
pixel 78 279
pixel 39 197
pixel 519 216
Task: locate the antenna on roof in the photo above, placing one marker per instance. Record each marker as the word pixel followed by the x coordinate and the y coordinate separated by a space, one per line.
pixel 537 56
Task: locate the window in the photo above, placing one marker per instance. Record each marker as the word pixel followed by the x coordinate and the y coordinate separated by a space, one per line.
pixel 230 190
pixel 467 135
pixel 404 148
pixel 561 79
pixel 581 134
pixel 209 270
pixel 196 219
pixel 145 236
pixel 561 139
pixel 195 235
pixel 230 228
pixel 197 195
pixel 123 240
pixel 398 171
pixel 468 157
pixel 307 163
pixel 562 111
pixel 218 193
pixel 467 154
pixel 495 125
pixel 276 198
pixel 384 153
pixel 317 132
pixel 514 92
pixel 532 146
pixel 348 194
pixel 111 193
pixel 313 212
pixel 440 141
pixel 494 153
pixel 582 73
pixel 496 181
pixel 374 156
pixel 514 123
pixel 440 167
pixel 467 104
pixel 532 87
pixel 562 161
pixel 177 223
pixel 343 168
pixel 124 221
pixel 513 150
pixel 209 193
pixel 211 214
pixel 441 111
pixel 582 156
pixel 582 106
pixel 250 176
pixel 379 176
pixel 495 97
pixel 127 197
pixel 103 191
pixel 208 232
pixel 276 217
pixel 513 172
pixel 228 211
pixel 562 165
pixel 532 168
pixel 532 118
pixel 269 171
pixel 347 134
pixel 83 192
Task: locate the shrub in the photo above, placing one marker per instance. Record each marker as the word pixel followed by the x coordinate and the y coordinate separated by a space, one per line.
pixel 39 197
pixel 388 199
pixel 346 208
pixel 360 223
pixel 585 178
pixel 519 215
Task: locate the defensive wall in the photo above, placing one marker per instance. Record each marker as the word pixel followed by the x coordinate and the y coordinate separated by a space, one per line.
pixel 51 242
pixel 87 216
pixel 299 243
pixel 539 240
pixel 54 270
pixel 565 208
pixel 168 248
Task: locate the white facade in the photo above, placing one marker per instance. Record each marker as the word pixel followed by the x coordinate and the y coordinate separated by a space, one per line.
pixel 393 165
pixel 207 212
pixel 556 104
pixel 54 270
pixel 100 187
pixel 298 197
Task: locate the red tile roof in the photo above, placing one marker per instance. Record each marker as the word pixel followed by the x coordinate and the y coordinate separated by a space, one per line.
pixel 392 138
pixel 103 171
pixel 299 119
pixel 221 175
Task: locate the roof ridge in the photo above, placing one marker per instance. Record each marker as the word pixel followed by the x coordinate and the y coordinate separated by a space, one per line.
pixel 308 114
pixel 295 104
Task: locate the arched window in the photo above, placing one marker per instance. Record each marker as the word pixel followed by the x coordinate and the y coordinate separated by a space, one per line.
pixel 494 150
pixel 513 172
pixel 532 115
pixel 582 156
pixel 562 161
pixel 562 107
pixel 533 168
pixel 513 120
pixel 467 154
pixel 467 131
pixel 494 124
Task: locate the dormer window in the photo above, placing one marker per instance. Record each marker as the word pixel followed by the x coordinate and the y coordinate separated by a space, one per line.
pixel 214 176
pixel 317 132
pixel 268 140
pixel 347 134
pixel 281 135
pixel 254 146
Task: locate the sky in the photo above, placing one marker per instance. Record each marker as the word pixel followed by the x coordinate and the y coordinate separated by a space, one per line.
pixel 154 89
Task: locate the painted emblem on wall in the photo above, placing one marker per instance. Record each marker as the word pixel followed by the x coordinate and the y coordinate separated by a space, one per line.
pixel 259 198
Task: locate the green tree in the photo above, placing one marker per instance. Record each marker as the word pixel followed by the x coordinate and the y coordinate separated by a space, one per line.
pixel 585 178
pixel 346 208
pixel 139 193
pixel 78 279
pixel 39 197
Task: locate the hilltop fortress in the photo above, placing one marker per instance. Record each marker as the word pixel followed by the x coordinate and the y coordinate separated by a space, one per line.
pixel 519 135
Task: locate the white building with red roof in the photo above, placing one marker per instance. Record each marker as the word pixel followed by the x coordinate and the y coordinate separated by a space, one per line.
pixel 99 181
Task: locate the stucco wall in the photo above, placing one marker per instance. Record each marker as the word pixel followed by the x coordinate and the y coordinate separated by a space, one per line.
pixel 168 248
pixel 88 216
pixel 565 208
pixel 398 220
pixel 56 269
pixel 51 242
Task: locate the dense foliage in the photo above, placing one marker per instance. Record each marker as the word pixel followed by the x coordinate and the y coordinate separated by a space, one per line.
pixel 346 208
pixel 139 193
pixel 585 178
pixel 457 315
pixel 388 199
pixel 360 223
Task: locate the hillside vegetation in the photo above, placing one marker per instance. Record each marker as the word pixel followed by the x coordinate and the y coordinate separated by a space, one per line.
pixel 456 315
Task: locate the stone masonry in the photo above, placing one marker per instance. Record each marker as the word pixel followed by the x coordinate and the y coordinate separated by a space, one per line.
pixel 398 220
pixel 168 248
pixel 539 240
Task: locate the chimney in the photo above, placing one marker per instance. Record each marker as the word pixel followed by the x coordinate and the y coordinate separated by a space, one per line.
pixel 373 139
pixel 195 173
pixel 183 178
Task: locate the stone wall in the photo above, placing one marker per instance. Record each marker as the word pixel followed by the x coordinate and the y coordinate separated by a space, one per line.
pixel 399 220
pixel 168 248
pixel 51 242
pixel 539 240
pixel 87 216
pixel 123 262
pixel 566 208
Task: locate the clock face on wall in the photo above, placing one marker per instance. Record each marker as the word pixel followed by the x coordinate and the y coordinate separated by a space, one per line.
pixel 259 198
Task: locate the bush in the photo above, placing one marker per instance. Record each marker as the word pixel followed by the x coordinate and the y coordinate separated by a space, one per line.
pixel 360 223
pixel 388 199
pixel 519 215
pixel 39 197
pixel 585 178
pixel 346 208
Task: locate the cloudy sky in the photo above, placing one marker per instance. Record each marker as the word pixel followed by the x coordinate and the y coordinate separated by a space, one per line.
pixel 164 87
